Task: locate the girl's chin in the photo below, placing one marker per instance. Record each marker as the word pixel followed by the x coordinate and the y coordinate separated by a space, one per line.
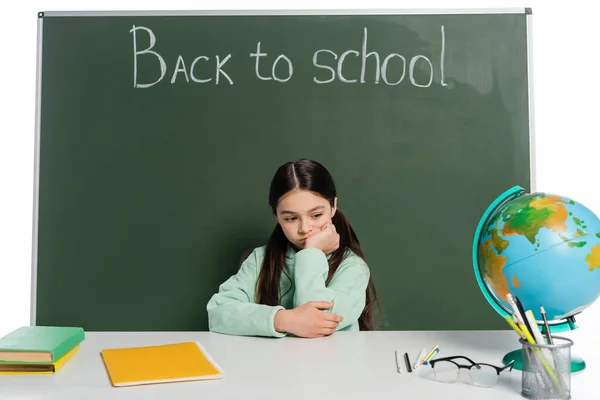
pixel 300 245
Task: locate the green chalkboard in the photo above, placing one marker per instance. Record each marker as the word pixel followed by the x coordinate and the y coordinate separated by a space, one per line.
pixel 158 135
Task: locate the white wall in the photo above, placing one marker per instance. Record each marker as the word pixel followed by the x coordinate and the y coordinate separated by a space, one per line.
pixel 566 45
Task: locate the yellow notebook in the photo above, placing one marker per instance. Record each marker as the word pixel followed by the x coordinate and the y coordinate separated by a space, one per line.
pixel 20 368
pixel 177 362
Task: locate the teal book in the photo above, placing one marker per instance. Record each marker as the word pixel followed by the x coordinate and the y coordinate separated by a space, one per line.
pixel 39 344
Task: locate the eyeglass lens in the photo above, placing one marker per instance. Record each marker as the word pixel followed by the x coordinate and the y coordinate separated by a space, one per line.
pixel 484 375
pixel 481 375
pixel 445 371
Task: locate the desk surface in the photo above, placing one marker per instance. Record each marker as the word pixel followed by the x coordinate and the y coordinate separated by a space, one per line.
pixel 358 365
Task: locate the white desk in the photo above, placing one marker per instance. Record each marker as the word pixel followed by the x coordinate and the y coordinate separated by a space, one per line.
pixel 357 365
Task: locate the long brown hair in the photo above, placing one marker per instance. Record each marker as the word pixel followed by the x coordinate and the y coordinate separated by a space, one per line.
pixel 312 176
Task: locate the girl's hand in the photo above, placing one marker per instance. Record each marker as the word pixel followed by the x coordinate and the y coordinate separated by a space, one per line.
pixel 327 240
pixel 308 320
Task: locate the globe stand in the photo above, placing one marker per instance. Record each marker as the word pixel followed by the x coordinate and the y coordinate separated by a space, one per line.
pixel 577 363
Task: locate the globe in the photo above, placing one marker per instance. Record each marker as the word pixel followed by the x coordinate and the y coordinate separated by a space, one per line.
pixel 545 250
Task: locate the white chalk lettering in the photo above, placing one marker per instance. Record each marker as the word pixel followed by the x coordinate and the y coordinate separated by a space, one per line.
pixel 386 70
pixel 442 58
pixel 220 71
pixel 385 65
pixel 290 69
pixel 364 56
pixel 258 55
pixel 315 56
pixel 367 66
pixel 192 75
pixel 411 72
pixel 273 76
pixel 341 64
pixel 136 53
pixel 179 67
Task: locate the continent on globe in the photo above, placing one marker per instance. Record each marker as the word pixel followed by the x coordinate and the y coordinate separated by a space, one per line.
pixel 593 259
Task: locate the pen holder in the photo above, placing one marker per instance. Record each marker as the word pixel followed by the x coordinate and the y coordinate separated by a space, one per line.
pixel 546 372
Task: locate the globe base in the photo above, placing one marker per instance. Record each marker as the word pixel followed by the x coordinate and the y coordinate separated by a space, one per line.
pixel 577 363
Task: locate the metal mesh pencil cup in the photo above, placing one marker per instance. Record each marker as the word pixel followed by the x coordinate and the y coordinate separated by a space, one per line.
pixel 546 372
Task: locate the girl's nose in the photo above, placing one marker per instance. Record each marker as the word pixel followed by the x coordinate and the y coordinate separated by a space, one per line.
pixel 304 228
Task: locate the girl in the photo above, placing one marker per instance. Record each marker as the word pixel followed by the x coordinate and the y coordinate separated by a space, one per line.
pixel 311 278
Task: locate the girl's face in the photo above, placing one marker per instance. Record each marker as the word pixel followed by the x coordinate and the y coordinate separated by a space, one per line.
pixel 301 214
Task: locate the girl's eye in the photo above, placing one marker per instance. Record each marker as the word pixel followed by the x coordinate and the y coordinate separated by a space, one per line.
pixel 317 216
pixel 290 219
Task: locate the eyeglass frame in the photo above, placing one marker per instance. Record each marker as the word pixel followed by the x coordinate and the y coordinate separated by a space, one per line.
pixel 468 367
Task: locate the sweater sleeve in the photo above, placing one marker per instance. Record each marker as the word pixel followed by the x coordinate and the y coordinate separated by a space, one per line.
pixel 232 310
pixel 347 288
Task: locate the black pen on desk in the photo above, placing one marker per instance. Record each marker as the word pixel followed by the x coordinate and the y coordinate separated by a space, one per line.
pixel 546 324
pixel 408 367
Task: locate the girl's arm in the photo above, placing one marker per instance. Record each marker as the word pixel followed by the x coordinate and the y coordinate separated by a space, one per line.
pixel 347 289
pixel 233 311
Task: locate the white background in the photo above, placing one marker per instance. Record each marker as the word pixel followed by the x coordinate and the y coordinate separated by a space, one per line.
pixel 566 44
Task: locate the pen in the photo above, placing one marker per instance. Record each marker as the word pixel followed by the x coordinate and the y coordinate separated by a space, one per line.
pixel 546 324
pixel 408 367
pixel 431 356
pixel 398 367
pixel 429 353
pixel 523 316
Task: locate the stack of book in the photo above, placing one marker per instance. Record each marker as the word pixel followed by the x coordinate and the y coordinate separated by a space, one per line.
pixel 38 349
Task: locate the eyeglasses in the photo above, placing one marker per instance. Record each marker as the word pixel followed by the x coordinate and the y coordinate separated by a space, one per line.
pixel 447 370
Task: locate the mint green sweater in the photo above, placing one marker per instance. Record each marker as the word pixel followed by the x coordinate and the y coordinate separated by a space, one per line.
pixel 233 310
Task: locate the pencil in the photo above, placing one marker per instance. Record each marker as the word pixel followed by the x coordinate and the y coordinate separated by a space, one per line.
pixel 546 324
pixel 515 327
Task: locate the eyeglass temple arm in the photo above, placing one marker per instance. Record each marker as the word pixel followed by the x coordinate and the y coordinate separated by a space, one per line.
pixel 509 365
